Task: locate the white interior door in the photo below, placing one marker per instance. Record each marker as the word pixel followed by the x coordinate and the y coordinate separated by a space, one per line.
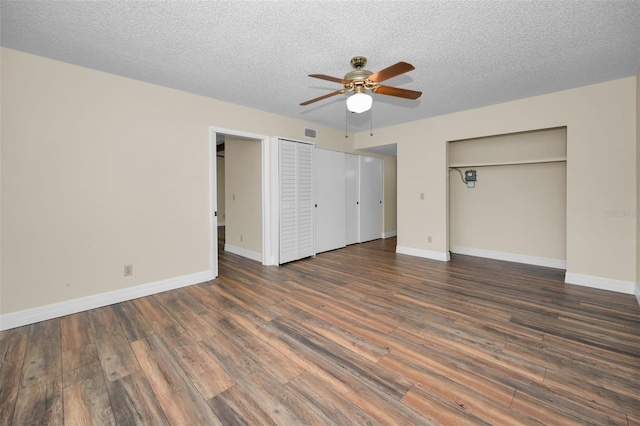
pixel 370 198
pixel 352 200
pixel 213 203
pixel 330 202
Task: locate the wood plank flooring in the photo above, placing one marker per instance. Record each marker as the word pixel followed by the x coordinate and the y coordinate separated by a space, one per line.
pixel 360 335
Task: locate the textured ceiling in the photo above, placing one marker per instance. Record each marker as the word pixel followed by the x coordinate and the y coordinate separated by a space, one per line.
pixel 466 53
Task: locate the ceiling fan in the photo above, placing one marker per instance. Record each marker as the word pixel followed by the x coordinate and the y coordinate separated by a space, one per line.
pixel 360 80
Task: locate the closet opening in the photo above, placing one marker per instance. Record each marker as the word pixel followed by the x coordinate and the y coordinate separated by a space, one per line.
pixel 507 197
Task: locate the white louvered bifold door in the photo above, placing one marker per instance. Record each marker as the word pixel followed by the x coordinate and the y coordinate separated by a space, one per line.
pixel 288 201
pixel 305 201
pixel 296 200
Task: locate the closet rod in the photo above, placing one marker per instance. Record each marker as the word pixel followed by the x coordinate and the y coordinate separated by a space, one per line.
pixel 510 163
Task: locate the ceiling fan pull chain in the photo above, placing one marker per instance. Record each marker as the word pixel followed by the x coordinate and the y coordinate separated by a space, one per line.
pixel 346 115
pixel 371 120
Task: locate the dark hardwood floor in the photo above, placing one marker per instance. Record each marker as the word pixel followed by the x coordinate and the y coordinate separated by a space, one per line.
pixel 355 336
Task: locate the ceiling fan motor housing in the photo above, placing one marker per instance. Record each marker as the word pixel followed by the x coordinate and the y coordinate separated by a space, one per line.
pixel 359 73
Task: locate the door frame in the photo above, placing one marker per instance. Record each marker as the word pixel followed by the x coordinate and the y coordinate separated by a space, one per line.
pixel 267 255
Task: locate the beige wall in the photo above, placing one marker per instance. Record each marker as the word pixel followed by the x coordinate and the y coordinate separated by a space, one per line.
pixel 220 171
pixel 516 210
pixel 99 171
pixel 510 149
pixel 601 160
pixel 243 178
pixel 389 171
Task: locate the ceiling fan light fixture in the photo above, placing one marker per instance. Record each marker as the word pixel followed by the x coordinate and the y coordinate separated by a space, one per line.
pixel 359 102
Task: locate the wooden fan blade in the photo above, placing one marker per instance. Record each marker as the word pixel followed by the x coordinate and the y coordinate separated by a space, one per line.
pixel 337 92
pixel 395 91
pixel 392 71
pixel 329 78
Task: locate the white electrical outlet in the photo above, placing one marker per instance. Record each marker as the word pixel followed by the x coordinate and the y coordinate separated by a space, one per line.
pixel 128 270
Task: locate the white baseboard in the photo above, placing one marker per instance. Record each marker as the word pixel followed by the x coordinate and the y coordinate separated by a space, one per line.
pixel 618 286
pixel 427 254
pixel 390 234
pixel 221 223
pixel 244 252
pixel 512 257
pixel 55 310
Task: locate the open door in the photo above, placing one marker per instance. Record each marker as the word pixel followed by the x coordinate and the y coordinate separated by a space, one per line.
pixel 213 202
